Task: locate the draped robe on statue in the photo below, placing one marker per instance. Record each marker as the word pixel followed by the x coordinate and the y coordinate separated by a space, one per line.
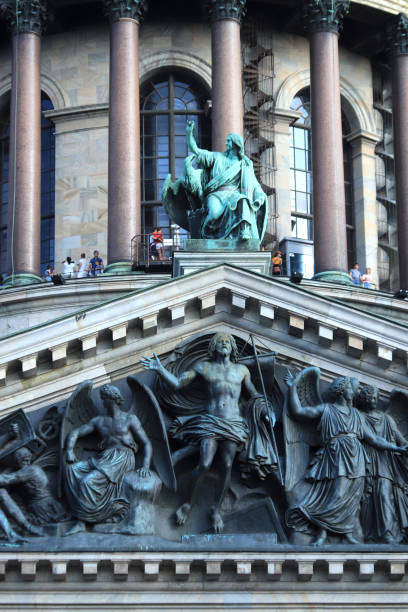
pixel 385 504
pixel 337 472
pixel 94 486
pixel 235 186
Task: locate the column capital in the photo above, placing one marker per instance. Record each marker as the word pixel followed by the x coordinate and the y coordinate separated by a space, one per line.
pixel 125 9
pixel 30 16
pixel 226 9
pixel 325 15
pixel 397 36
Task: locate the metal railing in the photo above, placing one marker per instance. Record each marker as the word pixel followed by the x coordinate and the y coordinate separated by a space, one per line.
pixel 148 254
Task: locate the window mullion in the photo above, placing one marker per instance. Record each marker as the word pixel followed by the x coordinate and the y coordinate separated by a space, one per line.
pixel 172 158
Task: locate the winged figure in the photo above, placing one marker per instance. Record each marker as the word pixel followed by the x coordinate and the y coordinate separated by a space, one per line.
pixel 384 510
pixel 220 196
pixel 93 480
pixel 336 473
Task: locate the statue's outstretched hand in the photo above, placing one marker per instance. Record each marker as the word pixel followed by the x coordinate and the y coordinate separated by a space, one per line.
pixel 152 364
pixel 189 126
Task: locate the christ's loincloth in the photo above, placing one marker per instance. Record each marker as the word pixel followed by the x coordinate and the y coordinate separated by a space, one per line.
pixel 193 429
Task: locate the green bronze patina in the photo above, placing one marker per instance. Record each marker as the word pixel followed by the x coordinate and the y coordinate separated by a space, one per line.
pixel 219 197
pixel 17 280
pixel 325 15
pixel 125 9
pixel 333 276
pixel 25 16
pixel 397 36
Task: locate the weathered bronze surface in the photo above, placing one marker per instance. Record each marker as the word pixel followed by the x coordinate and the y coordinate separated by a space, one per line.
pixel 217 438
pixel 219 196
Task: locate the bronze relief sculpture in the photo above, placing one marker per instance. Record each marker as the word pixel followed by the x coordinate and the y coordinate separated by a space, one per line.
pixel 216 445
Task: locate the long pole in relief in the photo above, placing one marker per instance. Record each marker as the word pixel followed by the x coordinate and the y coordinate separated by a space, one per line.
pixel 275 448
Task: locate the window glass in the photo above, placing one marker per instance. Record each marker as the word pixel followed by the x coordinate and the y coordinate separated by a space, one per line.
pixel 301 175
pixel 166 104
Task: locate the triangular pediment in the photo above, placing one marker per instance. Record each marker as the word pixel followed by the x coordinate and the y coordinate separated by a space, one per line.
pixel 44 364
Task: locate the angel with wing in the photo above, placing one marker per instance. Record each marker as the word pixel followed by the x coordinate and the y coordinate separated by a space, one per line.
pixel 93 487
pixel 384 510
pixel 337 471
pixel 94 484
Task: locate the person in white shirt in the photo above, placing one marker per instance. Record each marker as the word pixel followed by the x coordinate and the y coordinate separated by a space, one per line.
pixel 82 267
pixel 367 279
pixel 69 268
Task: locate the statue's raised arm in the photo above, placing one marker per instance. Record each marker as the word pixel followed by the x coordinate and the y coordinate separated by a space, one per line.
pixel 219 196
pixel 174 382
pixel 191 138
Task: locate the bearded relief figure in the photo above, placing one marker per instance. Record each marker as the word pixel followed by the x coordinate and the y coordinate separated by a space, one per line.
pixel 233 421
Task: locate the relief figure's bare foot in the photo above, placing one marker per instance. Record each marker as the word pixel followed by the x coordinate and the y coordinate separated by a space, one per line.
pixel 348 539
pixel 216 521
pixel 77 528
pixel 14 538
pixel 320 538
pixel 182 514
pixel 34 530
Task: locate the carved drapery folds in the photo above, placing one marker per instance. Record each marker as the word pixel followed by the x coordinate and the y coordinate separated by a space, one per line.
pixel 397 36
pixel 25 15
pixel 125 9
pixel 325 15
pixel 226 9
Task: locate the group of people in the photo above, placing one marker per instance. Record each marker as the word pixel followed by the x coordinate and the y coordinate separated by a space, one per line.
pixel 366 280
pixel 83 269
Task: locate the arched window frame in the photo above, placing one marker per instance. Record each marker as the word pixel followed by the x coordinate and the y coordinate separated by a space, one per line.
pixel 47 186
pixel 167 155
pixel 301 172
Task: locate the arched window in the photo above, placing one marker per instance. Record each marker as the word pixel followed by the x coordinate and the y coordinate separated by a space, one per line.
pixel 301 175
pixel 47 186
pixel 4 165
pixel 301 169
pixel 167 102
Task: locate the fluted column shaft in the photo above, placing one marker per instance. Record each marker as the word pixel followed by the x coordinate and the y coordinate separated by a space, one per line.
pixel 24 218
pixel 329 210
pixel 124 209
pixel 227 96
pixel 399 64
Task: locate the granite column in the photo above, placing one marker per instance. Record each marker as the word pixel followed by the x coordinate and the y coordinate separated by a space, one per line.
pixel 329 211
pixel 227 96
pixel 124 210
pixel 399 63
pixel 24 205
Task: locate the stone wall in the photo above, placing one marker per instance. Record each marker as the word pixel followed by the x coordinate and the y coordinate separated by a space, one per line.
pixel 75 74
